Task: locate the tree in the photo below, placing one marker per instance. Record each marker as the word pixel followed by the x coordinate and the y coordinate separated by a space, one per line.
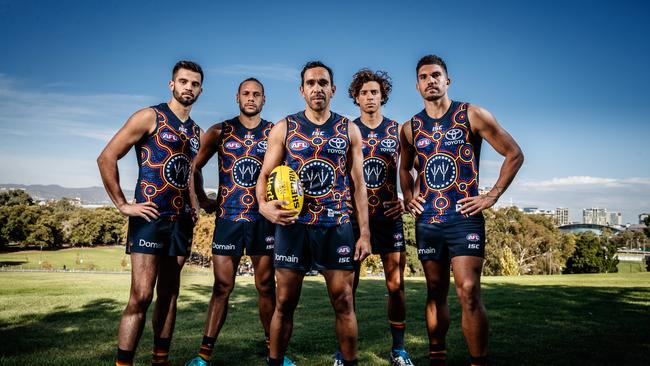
pixel 15 197
pixel 532 243
pixel 592 254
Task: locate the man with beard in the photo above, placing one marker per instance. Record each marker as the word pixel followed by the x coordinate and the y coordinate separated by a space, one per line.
pixel 240 143
pixel 370 90
pixel 161 218
pixel 324 148
pixel 443 141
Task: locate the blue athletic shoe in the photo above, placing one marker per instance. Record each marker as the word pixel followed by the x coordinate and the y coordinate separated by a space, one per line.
pixel 338 358
pixel 197 361
pixel 399 357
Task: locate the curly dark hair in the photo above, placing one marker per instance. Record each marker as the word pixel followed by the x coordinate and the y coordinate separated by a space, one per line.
pixel 366 75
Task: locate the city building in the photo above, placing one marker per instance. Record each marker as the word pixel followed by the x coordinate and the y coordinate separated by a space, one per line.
pixel 596 216
pixel 615 219
pixel 561 216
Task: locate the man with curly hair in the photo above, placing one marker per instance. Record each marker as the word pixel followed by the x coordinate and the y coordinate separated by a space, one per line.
pixel 380 135
pixel 443 143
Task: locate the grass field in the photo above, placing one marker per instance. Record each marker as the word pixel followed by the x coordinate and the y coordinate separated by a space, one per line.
pixel 71 319
pixel 102 258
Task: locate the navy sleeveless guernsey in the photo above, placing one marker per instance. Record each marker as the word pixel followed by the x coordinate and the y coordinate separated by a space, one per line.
pixel 448 155
pixel 318 153
pixel 380 154
pixel 165 158
pixel 241 153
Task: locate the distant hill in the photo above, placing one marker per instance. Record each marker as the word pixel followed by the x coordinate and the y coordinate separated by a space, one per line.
pixel 88 195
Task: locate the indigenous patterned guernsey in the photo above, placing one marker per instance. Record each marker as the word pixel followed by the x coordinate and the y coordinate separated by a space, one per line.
pixel 318 153
pixel 380 152
pixel 164 158
pixel 241 153
pixel 448 154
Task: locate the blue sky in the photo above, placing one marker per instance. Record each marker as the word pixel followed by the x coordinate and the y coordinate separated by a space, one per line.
pixel 568 79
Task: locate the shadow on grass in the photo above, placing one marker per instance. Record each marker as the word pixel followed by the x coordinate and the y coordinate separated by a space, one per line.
pixel 529 325
pixel 12 263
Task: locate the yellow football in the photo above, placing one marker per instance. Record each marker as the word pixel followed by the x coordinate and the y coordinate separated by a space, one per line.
pixel 284 184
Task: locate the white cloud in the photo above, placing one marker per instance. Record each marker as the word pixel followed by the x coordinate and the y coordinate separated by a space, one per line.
pixel 60 114
pixel 273 71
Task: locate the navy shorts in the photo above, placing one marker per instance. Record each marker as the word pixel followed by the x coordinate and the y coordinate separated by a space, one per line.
pixel 160 236
pixel 231 237
pixel 386 235
pixel 304 247
pixel 462 236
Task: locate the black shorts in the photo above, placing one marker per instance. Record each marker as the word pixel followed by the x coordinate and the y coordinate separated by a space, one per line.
pixel 304 247
pixel 160 236
pixel 386 235
pixel 231 237
pixel 462 236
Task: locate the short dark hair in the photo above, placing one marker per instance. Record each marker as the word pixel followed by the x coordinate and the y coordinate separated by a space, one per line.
pixel 312 65
pixel 250 79
pixel 189 65
pixel 431 60
pixel 366 75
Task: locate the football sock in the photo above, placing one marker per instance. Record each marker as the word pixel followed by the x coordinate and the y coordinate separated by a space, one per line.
pixel 160 353
pixel 437 354
pixel 207 346
pixel 397 330
pixel 124 358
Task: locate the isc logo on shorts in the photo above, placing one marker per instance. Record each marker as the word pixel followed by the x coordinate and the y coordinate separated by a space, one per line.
pixel 344 260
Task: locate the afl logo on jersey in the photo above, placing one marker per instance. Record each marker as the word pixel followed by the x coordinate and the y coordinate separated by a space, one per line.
pixel 298 145
pixel 423 142
pixel 194 144
pixel 374 172
pixel 317 177
pixel 338 145
pixel 168 136
pixel 232 145
pixel 245 171
pixel 177 171
pixel 440 171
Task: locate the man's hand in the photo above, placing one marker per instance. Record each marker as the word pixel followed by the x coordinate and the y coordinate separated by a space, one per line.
pixel 274 212
pixel 475 205
pixel 146 210
pixel 362 250
pixel 396 209
pixel 415 207
pixel 209 205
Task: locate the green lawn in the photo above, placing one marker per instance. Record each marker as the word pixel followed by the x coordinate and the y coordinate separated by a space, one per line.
pixel 101 258
pixel 71 319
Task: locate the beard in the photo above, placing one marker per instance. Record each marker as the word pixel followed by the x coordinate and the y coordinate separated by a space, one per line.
pixel 183 99
pixel 246 113
pixel 318 105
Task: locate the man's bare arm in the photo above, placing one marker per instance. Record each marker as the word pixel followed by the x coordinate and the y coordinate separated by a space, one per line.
pixel 273 210
pixel 208 148
pixel 355 166
pixel 407 164
pixel 141 123
pixel 485 125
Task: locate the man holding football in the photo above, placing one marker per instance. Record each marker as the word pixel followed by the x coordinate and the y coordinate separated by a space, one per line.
pixel 324 148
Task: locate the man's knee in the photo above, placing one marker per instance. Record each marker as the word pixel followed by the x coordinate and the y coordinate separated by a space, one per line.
pixel 285 304
pixel 469 294
pixel 395 287
pixel 343 303
pixel 139 301
pixel 222 288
